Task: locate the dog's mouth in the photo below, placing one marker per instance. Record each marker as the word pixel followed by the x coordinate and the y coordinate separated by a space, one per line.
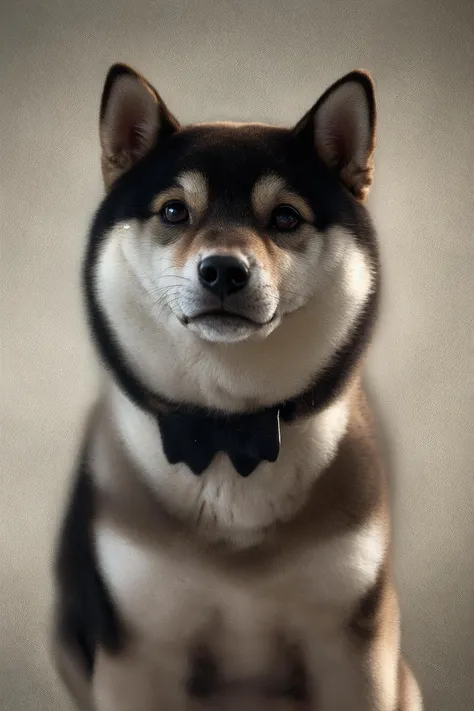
pixel 224 317
pixel 222 326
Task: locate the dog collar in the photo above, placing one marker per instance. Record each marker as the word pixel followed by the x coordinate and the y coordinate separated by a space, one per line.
pixel 194 435
pixel 196 438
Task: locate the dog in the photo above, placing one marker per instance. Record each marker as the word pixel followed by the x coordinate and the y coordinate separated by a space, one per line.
pixel 226 544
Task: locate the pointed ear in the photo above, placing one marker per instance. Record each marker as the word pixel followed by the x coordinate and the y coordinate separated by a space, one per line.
pixel 133 118
pixel 342 127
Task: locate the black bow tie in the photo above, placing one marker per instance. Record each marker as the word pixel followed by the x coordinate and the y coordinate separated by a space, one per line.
pixel 194 438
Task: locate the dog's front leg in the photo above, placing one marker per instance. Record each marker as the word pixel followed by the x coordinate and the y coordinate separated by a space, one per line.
pixel 140 679
pixel 358 665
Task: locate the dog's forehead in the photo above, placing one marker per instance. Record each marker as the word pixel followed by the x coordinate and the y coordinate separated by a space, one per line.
pixel 232 156
pixel 231 170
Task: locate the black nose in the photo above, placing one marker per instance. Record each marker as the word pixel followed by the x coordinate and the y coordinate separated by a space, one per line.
pixel 223 275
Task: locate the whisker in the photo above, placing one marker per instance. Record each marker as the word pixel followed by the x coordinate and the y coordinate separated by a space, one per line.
pixel 163 297
pixel 168 304
pixel 163 275
pixel 160 289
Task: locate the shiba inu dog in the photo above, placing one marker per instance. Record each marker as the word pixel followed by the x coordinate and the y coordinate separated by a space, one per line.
pixel 227 541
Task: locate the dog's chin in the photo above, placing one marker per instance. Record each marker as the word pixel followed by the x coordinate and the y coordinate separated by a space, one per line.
pixel 228 328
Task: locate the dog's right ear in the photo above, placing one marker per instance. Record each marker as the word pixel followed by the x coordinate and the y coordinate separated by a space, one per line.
pixel 341 127
pixel 133 118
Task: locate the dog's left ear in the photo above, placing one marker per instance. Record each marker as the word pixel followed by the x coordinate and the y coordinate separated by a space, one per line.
pixel 342 127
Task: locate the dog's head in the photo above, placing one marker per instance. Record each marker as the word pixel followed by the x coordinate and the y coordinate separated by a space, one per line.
pixel 220 239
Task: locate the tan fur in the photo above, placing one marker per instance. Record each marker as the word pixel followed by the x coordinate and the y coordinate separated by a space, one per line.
pixel 358 178
pixel 230 240
pixel 408 690
pixel 191 189
pixel 112 167
pixel 72 675
pixel 195 189
pixel 270 191
pixel 162 198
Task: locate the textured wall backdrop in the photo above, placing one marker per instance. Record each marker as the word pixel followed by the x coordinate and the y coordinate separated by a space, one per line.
pixel 266 60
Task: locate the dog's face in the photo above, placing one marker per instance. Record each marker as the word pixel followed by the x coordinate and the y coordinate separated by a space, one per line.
pixel 233 232
pixel 225 231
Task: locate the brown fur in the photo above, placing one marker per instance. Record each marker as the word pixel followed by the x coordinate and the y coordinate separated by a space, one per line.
pixel 270 191
pixel 227 240
pixel 359 179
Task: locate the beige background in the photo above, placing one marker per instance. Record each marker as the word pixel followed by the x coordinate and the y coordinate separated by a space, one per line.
pixel 268 61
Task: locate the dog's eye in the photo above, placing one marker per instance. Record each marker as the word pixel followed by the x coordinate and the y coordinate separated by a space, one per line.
pixel 174 212
pixel 285 218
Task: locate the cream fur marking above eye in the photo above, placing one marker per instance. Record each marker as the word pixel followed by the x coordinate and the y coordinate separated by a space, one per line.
pixel 264 192
pixel 192 189
pixel 195 189
pixel 270 191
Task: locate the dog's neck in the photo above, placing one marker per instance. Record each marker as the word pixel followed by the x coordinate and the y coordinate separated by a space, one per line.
pixel 194 435
pixel 220 504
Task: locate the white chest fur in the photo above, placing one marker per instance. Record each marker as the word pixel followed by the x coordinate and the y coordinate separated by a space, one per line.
pixel 172 594
pixel 173 598
pixel 219 502
pixel 166 579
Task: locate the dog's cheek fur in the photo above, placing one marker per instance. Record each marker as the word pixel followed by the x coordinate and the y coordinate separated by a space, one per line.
pixel 330 263
pixel 339 287
pixel 298 273
pixel 146 279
